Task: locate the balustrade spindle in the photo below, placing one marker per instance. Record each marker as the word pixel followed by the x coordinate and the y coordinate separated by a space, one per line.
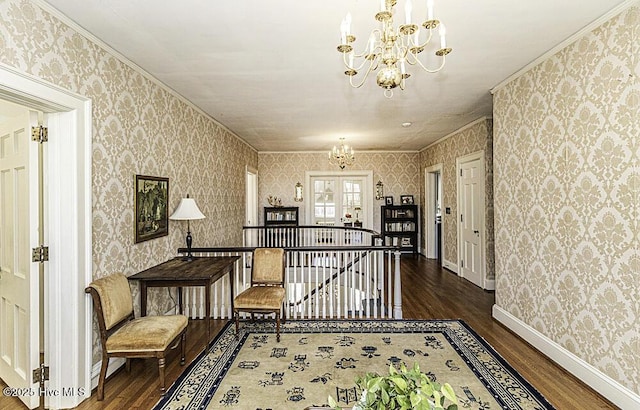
pixel 323 280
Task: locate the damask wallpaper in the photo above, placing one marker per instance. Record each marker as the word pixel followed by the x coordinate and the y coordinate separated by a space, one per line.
pixel 567 198
pixel 139 127
pixel 279 172
pixel 473 138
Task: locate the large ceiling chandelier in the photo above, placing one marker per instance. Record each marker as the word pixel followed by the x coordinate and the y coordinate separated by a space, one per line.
pixel 391 49
pixel 343 156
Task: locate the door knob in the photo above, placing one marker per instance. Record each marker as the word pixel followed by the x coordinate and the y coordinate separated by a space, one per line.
pixel 476 232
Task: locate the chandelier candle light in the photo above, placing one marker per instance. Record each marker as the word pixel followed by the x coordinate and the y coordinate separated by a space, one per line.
pixel 393 48
pixel 342 157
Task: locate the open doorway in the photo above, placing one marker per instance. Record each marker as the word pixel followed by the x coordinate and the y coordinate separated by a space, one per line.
pixel 66 333
pixel 434 248
pixel 251 202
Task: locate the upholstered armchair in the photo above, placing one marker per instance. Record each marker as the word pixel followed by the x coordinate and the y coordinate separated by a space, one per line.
pixel 121 335
pixel 266 294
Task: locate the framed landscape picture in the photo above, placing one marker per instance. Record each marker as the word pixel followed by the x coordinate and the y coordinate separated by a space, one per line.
pixel 151 199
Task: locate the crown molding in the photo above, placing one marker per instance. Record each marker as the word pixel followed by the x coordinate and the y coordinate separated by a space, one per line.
pixel 100 43
pixel 459 130
pixel 566 43
pixel 324 152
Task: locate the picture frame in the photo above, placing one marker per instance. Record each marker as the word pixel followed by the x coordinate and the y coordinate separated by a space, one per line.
pixel 406 199
pixel 388 200
pixel 151 207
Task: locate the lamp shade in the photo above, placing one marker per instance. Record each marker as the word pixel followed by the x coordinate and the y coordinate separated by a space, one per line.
pixel 187 210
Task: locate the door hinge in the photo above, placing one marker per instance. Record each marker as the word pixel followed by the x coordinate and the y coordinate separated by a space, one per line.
pixel 41 374
pixel 461 218
pixel 462 263
pixel 40 134
pixel 40 254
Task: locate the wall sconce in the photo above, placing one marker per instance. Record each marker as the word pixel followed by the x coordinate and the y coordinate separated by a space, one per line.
pixel 298 196
pixel 379 190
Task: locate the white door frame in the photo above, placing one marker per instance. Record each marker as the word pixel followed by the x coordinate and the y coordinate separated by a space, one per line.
pixel 478 155
pixel 367 195
pixel 251 203
pixel 430 207
pixel 68 321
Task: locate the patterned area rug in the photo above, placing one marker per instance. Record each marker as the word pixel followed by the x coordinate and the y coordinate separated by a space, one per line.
pixel 315 359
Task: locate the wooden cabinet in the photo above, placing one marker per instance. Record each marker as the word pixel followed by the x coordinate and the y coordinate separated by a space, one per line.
pixel 281 216
pixel 400 226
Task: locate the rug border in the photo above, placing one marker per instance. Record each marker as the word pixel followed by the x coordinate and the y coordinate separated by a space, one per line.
pixel 543 400
pixel 185 372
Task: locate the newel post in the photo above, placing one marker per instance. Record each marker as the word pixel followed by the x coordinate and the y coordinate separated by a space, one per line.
pixel 397 289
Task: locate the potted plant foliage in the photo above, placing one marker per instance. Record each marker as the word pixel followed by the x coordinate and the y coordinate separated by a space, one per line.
pixel 402 389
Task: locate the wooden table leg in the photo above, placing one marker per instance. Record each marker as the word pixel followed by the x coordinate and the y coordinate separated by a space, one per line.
pixel 207 312
pixel 231 277
pixel 180 299
pixel 143 298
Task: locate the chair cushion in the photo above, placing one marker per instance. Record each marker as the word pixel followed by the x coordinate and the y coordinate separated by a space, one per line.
pixel 260 297
pixel 115 298
pixel 146 334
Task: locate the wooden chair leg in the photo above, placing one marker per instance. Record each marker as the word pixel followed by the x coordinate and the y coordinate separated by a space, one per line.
pixel 103 376
pixel 183 342
pixel 236 316
pixel 161 372
pixel 127 365
pixel 277 327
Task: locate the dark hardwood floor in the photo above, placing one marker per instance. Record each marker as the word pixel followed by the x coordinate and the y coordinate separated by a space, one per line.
pixel 429 292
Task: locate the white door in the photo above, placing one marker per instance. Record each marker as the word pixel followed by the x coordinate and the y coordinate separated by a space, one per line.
pixel 339 201
pixel 19 280
pixel 471 197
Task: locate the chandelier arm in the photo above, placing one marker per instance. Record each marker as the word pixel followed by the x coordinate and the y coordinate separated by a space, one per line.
pixel 366 51
pixel 427 41
pixel 429 70
pixel 346 64
pixel 366 75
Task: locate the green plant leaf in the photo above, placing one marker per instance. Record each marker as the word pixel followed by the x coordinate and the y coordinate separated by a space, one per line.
pixel 400 383
pixel 333 404
pixel 385 396
pixel 448 392
pixel 415 399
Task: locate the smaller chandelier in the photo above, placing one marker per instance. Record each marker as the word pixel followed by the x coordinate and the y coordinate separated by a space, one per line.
pixel 342 156
pixel 390 48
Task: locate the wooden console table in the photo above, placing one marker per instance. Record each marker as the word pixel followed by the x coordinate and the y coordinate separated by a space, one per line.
pixel 201 271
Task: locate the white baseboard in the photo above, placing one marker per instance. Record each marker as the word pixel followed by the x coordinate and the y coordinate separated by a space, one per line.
pixel 489 284
pixel 451 266
pixel 597 380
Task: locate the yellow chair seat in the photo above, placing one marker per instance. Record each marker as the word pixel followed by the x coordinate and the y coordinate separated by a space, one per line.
pixel 147 334
pixel 260 297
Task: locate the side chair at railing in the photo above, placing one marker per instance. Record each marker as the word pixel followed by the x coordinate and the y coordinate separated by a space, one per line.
pixel 321 282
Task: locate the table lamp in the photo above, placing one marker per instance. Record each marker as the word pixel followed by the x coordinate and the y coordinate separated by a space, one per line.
pixel 187 210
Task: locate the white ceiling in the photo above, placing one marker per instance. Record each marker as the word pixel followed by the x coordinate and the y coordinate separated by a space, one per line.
pixel 270 72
